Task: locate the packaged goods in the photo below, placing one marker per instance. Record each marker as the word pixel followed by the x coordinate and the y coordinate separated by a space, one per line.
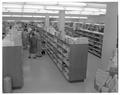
pixel 76 40
pixel 101 77
pixel 113 84
pixel 96 86
pixel 108 81
pixel 7 85
pixel 105 89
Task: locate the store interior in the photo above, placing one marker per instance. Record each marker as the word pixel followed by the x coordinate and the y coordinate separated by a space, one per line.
pixel 76 47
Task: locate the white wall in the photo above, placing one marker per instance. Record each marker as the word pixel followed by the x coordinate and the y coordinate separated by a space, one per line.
pixel 94 19
pixel 110 33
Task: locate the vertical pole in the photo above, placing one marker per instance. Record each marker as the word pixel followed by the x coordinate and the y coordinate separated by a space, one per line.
pixel 110 33
pixel 62 22
pixel 47 22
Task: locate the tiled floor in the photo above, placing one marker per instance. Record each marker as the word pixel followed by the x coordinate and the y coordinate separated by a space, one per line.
pixel 42 75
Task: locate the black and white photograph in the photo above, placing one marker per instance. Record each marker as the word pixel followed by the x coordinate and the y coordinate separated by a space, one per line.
pixel 59 46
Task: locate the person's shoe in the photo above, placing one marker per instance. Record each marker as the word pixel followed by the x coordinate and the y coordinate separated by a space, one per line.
pixel 29 57
pixel 34 57
pixel 39 56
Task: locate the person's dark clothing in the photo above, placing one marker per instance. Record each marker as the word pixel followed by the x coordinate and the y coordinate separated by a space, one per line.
pixel 33 44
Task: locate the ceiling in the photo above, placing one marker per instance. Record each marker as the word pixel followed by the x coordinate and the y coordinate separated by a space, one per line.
pixel 10 9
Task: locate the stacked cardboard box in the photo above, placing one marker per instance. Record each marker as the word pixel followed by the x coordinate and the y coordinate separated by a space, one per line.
pixel 104 82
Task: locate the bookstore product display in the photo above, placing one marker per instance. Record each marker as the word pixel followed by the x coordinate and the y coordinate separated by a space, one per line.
pixel 69 54
pixel 12 57
pixel 95 33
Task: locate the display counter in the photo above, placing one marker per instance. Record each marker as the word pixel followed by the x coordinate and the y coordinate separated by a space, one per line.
pixel 12 58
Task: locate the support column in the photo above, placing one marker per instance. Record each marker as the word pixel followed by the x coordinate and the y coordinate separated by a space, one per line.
pixel 47 22
pixel 110 33
pixel 62 22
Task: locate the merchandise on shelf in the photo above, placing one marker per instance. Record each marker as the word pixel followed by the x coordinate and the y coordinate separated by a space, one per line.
pixel 107 81
pixel 52 30
pixel 76 40
pixel 94 34
pixel 54 24
pixel 62 53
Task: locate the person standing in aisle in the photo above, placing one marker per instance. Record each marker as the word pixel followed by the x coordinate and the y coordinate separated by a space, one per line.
pixel 39 50
pixel 24 39
pixel 32 45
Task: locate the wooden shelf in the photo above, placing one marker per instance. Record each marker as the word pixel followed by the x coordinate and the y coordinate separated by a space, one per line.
pixel 65 61
pixel 95 32
pixel 95 38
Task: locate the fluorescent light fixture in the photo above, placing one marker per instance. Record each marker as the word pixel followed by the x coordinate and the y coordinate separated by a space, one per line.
pixel 6 15
pixel 73 8
pixel 30 10
pixel 48 11
pixel 19 3
pixel 72 4
pixel 87 23
pixel 12 6
pixel 91 9
pixel 76 17
pixel 39 16
pixel 54 8
pixel 53 12
pixel 33 7
pixel 42 11
pixel 38 21
pixel 10 20
pixel 72 12
pixel 53 16
pixel 14 10
pixel 70 17
pixel 16 15
pixel 27 16
pixel 98 13
pixel 95 13
pixel 25 20
pixel 103 10
pixel 86 13
pixel 83 17
pixel 96 5
pixel 42 3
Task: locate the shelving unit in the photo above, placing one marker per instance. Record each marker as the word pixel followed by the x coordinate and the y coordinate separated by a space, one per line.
pixel 71 59
pixel 95 33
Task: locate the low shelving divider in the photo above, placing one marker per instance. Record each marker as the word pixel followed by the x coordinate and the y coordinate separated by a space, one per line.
pixel 71 59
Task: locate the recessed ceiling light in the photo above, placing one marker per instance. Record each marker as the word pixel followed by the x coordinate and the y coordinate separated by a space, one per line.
pixel 72 4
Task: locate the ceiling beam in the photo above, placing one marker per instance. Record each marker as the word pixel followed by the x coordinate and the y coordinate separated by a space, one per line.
pixel 42 14
pixel 22 18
